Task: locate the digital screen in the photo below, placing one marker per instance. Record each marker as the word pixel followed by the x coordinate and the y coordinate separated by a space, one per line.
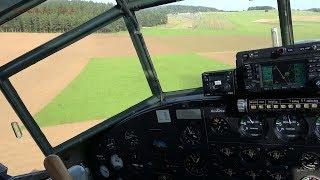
pixel 283 74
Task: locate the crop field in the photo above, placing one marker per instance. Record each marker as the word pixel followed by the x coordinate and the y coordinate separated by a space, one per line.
pixel 253 23
pixel 101 76
pixel 95 94
pixel 99 91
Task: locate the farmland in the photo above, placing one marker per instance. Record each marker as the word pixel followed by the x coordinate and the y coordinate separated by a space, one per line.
pixel 97 95
pixel 99 91
pixel 253 23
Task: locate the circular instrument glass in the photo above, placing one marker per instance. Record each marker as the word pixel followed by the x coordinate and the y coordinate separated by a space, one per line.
pixel 251 127
pixel 219 126
pixel 191 136
pixel 195 164
pixel 310 161
pixel 317 128
pixel 132 139
pixel 250 155
pixel 290 127
pixel 277 156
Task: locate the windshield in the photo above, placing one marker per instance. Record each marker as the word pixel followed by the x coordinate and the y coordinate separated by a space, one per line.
pixel 101 75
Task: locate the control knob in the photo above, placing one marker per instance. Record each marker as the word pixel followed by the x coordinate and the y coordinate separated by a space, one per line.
pixel 316 83
pixel 116 162
pixel 104 171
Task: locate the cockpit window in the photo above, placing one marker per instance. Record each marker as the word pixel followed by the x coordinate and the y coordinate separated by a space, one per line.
pixel 198 39
pixel 101 76
pixel 83 85
pixel 306 20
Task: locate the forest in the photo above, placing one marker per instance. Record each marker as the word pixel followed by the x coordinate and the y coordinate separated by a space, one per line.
pixel 314 10
pixel 261 8
pixel 55 16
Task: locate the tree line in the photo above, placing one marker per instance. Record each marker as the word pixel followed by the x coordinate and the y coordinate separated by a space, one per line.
pixel 314 9
pixel 63 15
pixel 265 8
pixel 56 16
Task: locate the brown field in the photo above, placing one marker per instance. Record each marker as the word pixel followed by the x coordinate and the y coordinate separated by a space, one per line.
pixel 39 84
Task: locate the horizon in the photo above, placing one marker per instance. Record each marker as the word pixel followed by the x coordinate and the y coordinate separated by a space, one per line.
pixel 239 5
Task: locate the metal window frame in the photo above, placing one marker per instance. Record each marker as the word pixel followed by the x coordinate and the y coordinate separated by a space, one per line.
pixel 18 9
pixel 285 19
pixel 26 60
pixel 124 10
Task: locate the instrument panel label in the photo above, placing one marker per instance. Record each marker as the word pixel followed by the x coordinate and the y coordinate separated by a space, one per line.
pixel 163 116
pixel 188 114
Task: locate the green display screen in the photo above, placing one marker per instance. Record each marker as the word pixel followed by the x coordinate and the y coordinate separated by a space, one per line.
pixel 283 74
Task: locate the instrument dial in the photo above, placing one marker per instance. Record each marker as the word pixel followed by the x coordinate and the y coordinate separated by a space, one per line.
pixel 317 128
pixel 195 164
pixel 310 161
pixel 219 126
pixel 290 127
pixel 132 139
pixel 251 127
pixel 191 136
pixel 277 156
pixel 250 155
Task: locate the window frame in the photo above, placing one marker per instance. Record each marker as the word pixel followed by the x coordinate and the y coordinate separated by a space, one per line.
pixel 123 9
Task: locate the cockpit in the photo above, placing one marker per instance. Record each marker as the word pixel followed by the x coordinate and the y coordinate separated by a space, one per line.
pixel 160 89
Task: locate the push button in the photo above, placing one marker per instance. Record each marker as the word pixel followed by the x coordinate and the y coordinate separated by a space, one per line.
pixel 253 107
pixel 298 106
pixel 283 106
pixel 314 105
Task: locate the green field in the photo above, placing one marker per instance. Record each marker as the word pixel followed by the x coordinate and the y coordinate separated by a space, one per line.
pixel 108 86
pixel 242 23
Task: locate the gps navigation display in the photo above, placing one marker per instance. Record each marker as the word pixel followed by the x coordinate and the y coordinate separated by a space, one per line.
pixel 284 74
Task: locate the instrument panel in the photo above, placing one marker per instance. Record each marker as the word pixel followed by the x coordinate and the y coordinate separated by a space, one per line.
pixel 258 121
pixel 203 140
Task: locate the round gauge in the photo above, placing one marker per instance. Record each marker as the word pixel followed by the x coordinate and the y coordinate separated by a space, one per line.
pixel 219 126
pixel 317 128
pixel 191 136
pixel 277 156
pixel 229 172
pixel 228 152
pixel 250 155
pixel 278 174
pixel 132 139
pixel 290 127
pixel 311 178
pixel 254 174
pixel 251 127
pixel 195 164
pixel 310 161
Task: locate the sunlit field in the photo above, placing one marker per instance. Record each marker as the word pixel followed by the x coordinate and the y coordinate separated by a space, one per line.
pixel 103 79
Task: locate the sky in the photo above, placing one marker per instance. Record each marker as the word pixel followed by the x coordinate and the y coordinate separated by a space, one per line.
pixel 243 4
